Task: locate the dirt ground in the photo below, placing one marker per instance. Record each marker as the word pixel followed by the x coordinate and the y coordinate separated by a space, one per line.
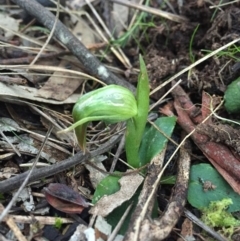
pixel 168 47
pixel 169 51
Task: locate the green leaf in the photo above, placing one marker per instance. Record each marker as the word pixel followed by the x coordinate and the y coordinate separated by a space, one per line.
pixel 199 198
pixel 110 185
pixel 107 186
pixel 136 125
pixel 168 180
pixel 142 99
pixel 232 97
pixel 153 141
pixel 114 217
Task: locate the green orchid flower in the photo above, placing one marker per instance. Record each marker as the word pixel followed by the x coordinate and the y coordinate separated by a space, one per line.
pixel 113 104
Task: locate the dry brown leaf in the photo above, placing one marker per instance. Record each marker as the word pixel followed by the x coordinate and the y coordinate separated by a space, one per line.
pixel 17 93
pixel 64 198
pixel 187 229
pixel 60 88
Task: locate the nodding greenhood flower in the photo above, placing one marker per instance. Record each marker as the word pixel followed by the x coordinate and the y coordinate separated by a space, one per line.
pixel 111 103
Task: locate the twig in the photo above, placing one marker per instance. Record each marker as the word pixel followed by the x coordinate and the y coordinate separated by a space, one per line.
pixel 116 156
pixel 51 68
pixel 116 50
pixel 145 200
pixel 14 198
pixel 9 80
pixel 13 226
pixel 162 227
pixel 196 220
pixel 119 225
pixel 14 182
pixel 170 16
pixel 28 59
pixel 88 60
pixel 46 220
pixel 49 37
pixel 7 140
pixel 159 228
pixel 167 93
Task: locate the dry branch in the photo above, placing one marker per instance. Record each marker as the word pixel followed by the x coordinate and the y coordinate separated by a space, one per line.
pixel 13 183
pixel 88 60
pixel 145 229
pixel 218 154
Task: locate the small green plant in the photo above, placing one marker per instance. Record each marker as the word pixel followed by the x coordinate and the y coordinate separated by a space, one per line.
pixel 136 125
pixel 191 55
pixel 58 223
pixel 113 104
pixel 215 11
pixel 231 52
pixel 131 33
pixel 153 142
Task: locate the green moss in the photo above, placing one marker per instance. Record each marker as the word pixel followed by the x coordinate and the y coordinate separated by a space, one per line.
pixel 58 223
pixel 216 216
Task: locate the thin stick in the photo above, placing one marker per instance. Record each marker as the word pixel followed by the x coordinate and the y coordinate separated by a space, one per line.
pixel 79 158
pixel 17 232
pixel 13 147
pixel 88 60
pixel 120 223
pixel 6 210
pixel 167 15
pixel 123 57
pixel 49 37
pixel 116 156
pixel 202 225
pixel 159 101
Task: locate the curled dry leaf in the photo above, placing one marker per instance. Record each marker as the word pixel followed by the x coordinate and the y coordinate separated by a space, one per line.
pixel 64 198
